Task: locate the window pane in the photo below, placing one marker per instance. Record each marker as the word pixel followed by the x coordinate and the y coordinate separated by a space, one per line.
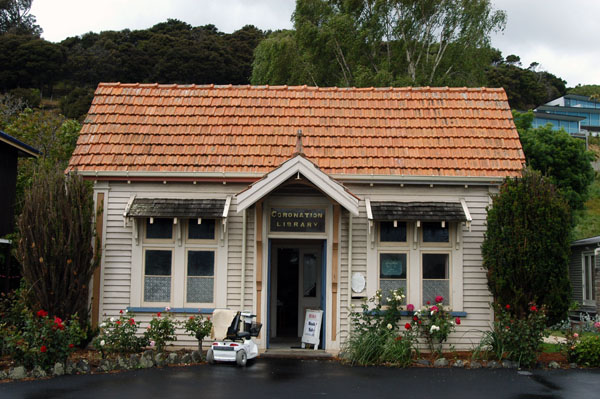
pixel 157 289
pixel 392 265
pixel 160 229
pixel 433 288
pixel 200 289
pixel 201 263
pixel 202 231
pixel 389 233
pixel 309 274
pixel 433 232
pixel 158 262
pixel 435 266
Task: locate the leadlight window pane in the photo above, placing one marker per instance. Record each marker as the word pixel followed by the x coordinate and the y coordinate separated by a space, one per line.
pixel 392 265
pixel 200 289
pixel 202 231
pixel 160 228
pixel 435 266
pixel 434 232
pixel 158 262
pixel 389 233
pixel 201 263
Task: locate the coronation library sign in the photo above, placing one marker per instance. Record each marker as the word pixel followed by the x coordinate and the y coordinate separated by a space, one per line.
pixel 298 220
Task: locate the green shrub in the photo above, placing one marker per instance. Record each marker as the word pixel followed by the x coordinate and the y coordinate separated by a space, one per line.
pixel 434 324
pixel 517 339
pixel 377 334
pixel 526 247
pixel 161 330
pixel 198 327
pixel 586 351
pixel 118 335
pixel 43 340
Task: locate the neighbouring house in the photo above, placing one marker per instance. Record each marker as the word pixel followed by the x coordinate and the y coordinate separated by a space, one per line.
pixel 577 115
pixel 282 199
pixel 11 150
pixel 584 273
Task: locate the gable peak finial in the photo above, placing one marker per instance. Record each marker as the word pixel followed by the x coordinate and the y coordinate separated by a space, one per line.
pixel 299 149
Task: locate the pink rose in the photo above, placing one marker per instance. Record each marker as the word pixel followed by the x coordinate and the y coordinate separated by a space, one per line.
pixel 410 307
pixel 434 308
pixel 575 335
pixel 439 299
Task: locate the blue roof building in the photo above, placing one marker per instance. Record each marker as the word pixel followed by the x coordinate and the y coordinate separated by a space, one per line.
pixel 578 115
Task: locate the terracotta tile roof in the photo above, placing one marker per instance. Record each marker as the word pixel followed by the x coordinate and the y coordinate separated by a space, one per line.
pixel 380 131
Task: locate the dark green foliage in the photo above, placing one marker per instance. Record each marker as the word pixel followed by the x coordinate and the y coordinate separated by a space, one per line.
pixel 76 103
pixel 55 242
pixel 526 246
pixel 15 18
pixel 30 97
pixel 559 156
pixel 526 88
pixel 586 351
pixel 586 90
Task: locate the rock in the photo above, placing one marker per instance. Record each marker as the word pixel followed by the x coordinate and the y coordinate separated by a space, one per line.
pixel 160 359
pixel 38 372
pixel 493 364
pixel 573 365
pixel 58 369
pixel 509 364
pixel 441 362
pixel 149 354
pixel 475 364
pixel 196 356
pixel 459 364
pixel 146 362
pixel 121 363
pixel 17 373
pixel 3 375
pixel 134 361
pixel 553 365
pixel 83 367
pixel 173 358
pixel 424 362
pixel 71 368
pixel 186 359
pixel 105 365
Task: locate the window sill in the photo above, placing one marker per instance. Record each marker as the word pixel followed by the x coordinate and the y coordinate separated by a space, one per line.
pixel 173 310
pixel 409 314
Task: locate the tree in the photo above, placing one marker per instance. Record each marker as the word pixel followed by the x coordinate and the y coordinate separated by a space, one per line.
pixel 55 236
pixel 558 155
pixel 526 246
pixel 390 42
pixel 15 18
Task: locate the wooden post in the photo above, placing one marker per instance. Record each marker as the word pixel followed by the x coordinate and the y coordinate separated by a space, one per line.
pixel 334 270
pixel 259 259
pixel 98 272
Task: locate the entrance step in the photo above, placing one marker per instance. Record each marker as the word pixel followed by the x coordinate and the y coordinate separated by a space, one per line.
pixel 296 354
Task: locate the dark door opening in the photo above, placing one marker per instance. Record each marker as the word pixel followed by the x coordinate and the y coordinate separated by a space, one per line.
pixel 287 292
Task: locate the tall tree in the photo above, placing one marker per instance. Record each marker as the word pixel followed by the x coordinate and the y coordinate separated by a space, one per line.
pixel 390 42
pixel 15 18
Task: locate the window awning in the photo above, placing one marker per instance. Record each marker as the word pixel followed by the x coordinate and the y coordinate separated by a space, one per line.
pixel 177 208
pixel 422 211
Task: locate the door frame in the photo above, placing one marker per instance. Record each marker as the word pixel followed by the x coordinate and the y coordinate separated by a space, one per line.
pixel 322 243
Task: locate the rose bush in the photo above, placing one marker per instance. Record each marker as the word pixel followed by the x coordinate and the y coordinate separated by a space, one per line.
pixel 161 330
pixel 198 327
pixel 118 335
pixel 434 324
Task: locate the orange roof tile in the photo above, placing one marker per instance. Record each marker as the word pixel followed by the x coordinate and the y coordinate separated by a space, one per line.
pixel 382 131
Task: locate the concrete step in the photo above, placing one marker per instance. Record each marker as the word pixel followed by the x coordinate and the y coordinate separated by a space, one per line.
pixel 296 354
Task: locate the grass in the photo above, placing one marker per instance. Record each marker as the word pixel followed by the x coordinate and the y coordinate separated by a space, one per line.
pixel 551 348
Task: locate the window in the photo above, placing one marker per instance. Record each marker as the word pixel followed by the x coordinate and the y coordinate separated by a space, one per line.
pixel 159 229
pixel 157 275
pixel 390 233
pixel 392 272
pixel 205 230
pixel 434 232
pixel 200 276
pixel 589 263
pixel 436 277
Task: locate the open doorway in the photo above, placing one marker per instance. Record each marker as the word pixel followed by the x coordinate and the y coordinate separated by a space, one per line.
pixel 296 284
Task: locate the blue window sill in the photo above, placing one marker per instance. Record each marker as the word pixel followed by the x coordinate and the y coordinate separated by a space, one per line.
pixel 173 310
pixel 409 314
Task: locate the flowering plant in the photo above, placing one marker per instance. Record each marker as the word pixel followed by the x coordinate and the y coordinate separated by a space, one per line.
pixel 434 324
pixel 198 327
pixel 161 329
pixel 119 335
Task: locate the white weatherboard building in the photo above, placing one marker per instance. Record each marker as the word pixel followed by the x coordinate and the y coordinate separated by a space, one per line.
pixel 282 199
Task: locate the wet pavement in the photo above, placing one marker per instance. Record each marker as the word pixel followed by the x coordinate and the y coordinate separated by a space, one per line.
pixel 287 378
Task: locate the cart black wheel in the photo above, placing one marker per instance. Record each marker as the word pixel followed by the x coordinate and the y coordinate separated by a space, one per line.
pixel 241 358
pixel 210 357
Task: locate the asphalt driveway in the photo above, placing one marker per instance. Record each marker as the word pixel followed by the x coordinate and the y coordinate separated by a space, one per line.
pixel 285 378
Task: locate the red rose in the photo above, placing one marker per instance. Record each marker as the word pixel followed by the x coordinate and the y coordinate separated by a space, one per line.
pixel 419 321
pixel 457 321
pixel 439 299
pixel 507 307
pixel 131 322
pixel 415 318
pixel 533 308
pixel 407 326
pixel 71 346
pixel 429 303
pixel 121 311
pixel 191 317
pixel 158 314
pixel 118 322
pixel 42 313
pixel 399 338
pixel 43 349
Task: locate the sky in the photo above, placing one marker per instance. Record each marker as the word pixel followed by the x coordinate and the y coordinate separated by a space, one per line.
pixel 560 35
